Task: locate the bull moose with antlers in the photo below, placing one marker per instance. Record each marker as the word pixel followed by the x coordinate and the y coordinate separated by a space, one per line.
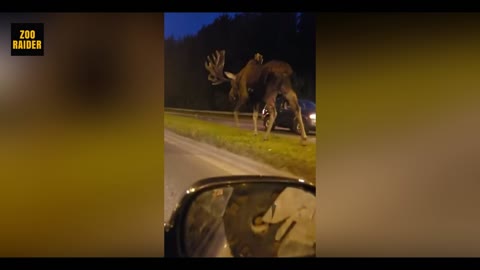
pixel 266 81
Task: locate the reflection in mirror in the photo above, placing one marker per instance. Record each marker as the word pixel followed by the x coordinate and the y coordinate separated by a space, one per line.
pixel 251 220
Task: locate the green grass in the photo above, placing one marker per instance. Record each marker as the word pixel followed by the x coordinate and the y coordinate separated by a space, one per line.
pixel 280 152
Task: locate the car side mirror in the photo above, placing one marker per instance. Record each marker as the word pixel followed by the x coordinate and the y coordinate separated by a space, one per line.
pixel 244 216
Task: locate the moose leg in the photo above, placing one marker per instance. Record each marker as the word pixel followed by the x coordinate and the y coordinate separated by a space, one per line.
pixel 255 118
pixel 295 107
pixel 270 104
pixel 241 100
pixel 242 93
pixel 232 95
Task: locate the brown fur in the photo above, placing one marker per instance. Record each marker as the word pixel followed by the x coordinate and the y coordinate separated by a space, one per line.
pixel 267 80
pixel 248 77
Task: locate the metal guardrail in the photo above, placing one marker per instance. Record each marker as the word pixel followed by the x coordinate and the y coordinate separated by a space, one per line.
pixel 205 112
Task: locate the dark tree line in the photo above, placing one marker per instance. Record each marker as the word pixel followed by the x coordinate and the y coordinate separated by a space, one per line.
pixel 282 36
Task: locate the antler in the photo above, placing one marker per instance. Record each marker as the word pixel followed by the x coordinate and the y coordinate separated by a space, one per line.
pixel 215 67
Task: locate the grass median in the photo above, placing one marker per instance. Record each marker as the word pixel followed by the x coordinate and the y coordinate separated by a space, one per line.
pixel 280 152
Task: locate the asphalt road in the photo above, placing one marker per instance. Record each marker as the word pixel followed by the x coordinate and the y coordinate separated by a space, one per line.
pixel 187 161
pixel 246 123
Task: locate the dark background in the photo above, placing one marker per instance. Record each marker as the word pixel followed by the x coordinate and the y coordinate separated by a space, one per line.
pixel 398 146
pixel 81 137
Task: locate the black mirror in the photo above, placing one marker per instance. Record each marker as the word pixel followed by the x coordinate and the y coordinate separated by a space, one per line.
pixel 244 216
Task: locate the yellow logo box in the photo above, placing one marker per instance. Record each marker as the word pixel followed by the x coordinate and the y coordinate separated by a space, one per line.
pixel 27 39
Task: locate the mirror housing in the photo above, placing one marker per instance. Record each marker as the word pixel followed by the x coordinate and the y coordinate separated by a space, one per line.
pixel 199 218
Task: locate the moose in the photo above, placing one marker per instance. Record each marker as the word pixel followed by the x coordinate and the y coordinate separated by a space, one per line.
pixel 261 83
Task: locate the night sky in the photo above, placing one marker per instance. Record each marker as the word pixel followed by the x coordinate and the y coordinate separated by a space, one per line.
pixel 181 24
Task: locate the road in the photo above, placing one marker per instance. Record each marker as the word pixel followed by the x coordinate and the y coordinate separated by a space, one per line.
pixel 246 123
pixel 187 161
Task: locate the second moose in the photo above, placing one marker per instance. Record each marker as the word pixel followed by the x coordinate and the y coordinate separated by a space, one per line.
pixel 267 81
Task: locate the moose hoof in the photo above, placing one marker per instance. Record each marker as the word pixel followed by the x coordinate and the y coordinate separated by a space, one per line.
pixel 255 133
pixel 303 141
pixel 265 138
